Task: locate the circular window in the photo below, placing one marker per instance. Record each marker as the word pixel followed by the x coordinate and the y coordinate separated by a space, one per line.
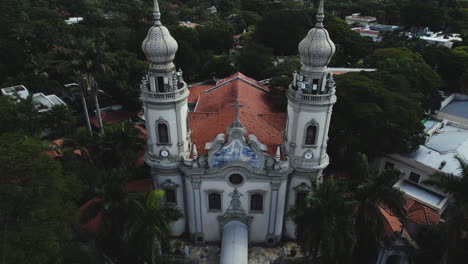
pixel 236 179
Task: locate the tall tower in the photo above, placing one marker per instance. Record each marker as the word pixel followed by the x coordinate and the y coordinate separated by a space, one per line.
pixel 311 96
pixel 164 98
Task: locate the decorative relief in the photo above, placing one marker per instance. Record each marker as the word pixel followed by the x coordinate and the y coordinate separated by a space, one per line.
pixel 235 151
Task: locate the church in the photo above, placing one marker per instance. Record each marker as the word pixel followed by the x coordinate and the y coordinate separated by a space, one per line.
pixel 224 154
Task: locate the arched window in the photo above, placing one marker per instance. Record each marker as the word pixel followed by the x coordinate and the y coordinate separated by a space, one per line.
pixel 214 202
pixel 300 198
pixel 256 202
pixel 160 84
pixel 311 134
pixel 163 133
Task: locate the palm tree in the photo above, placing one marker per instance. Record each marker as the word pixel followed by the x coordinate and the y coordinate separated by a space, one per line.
pixel 325 223
pixel 119 147
pixel 371 192
pixel 84 59
pixel 147 230
pixel 457 212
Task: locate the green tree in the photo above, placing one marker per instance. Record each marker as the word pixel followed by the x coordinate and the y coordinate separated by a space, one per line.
pixel 216 36
pixel 61 120
pixel 37 213
pixel 410 74
pixel 255 60
pixel 325 225
pixel 379 120
pixel 84 59
pixel 457 212
pixel 282 30
pixel 373 190
pixel 147 230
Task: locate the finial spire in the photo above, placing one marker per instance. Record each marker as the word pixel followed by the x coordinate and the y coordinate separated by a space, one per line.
pixel 156 14
pixel 320 15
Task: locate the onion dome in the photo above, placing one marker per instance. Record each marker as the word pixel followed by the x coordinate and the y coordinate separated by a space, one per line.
pixel 159 46
pixel 316 49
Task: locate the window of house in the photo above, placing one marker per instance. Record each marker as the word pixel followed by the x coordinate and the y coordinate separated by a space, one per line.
pixel 214 201
pixel 389 165
pixel 163 134
pixel 256 202
pixel 300 198
pixel 414 177
pixel 311 135
pixel 170 196
pixel 160 84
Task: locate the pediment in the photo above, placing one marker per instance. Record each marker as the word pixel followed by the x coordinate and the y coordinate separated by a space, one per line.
pixel 236 149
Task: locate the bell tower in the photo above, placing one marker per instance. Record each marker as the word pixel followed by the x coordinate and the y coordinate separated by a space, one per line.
pixel 164 97
pixel 311 96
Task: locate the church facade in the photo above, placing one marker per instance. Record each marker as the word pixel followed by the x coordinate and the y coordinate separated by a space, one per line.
pixel 223 153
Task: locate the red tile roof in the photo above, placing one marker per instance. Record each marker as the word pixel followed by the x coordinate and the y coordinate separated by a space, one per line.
pixel 92 225
pixel 112 117
pixel 366 31
pixel 420 214
pixel 214 113
pixel 392 224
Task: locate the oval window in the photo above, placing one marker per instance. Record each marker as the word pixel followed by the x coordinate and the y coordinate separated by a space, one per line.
pixel 236 179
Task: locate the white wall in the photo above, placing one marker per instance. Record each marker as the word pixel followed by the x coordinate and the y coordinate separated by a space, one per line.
pixel 258 227
pixel 178 227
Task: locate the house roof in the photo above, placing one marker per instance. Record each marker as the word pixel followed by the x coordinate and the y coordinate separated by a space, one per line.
pixel 420 214
pixel 112 117
pixel 442 147
pixel 214 113
pixel 392 224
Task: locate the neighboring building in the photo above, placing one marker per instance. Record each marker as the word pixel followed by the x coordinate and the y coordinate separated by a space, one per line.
pixel 445 141
pixel 383 28
pixel 366 32
pixel 213 9
pixel 188 24
pixel 439 38
pixel 73 20
pixel 337 71
pixel 363 21
pixel 236 164
pixel 42 102
pixel 455 108
pixel 22 92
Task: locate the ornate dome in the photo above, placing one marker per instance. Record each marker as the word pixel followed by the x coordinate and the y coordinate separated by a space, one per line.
pixel 159 46
pixel 316 49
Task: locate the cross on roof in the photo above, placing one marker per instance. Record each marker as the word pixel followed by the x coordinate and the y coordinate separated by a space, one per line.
pixel 237 105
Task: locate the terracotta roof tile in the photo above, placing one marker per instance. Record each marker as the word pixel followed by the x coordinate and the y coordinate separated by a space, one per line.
pixel 392 224
pixel 214 113
pixel 421 214
pixel 112 117
pixel 196 90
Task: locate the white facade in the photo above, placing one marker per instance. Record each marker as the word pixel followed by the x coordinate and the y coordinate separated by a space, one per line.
pixel 236 190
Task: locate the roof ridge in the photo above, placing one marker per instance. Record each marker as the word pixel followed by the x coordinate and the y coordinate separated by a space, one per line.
pixel 234 79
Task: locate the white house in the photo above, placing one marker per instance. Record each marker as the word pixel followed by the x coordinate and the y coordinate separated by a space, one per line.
pixel 363 21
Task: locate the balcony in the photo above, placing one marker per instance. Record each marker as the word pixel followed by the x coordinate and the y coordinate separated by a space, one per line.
pixel 147 95
pixel 298 96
